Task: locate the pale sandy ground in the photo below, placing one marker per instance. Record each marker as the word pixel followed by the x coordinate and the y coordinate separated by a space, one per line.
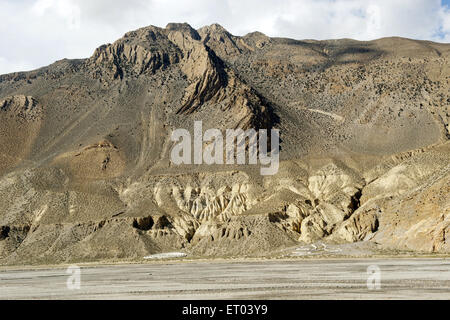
pixel 279 279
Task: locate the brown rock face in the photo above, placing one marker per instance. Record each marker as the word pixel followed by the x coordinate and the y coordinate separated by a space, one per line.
pixel 21 107
pixel 136 53
pixel 85 170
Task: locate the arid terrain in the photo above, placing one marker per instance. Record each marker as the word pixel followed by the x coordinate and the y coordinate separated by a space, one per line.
pixel 85 170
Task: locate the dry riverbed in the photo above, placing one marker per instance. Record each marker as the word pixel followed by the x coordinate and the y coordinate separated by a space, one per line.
pixel 408 278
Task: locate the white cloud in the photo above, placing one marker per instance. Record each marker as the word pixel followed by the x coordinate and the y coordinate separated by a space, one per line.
pixel 67 11
pixel 13 65
pixel 445 26
pixel 35 33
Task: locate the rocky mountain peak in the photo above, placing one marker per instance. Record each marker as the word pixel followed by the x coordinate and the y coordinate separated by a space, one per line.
pixel 183 28
pixel 213 28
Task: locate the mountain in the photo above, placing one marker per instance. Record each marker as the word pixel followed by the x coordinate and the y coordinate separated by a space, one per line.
pixel 85 170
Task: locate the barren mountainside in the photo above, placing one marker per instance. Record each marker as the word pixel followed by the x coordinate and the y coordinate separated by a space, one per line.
pixel 85 170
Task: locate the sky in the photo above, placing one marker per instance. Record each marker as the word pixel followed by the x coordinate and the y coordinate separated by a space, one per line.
pixel 35 33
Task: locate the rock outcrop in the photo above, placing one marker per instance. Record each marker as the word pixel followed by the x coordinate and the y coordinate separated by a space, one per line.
pixel 25 108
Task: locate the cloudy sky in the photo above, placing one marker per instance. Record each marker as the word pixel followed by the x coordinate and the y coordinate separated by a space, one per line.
pixel 35 33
